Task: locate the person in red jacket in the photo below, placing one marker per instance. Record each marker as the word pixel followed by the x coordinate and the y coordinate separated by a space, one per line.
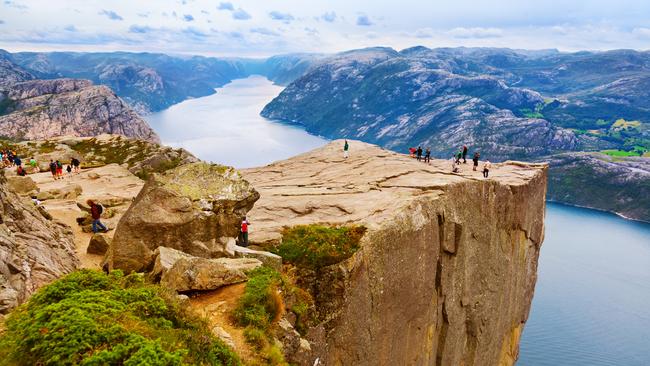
pixel 244 232
pixel 96 212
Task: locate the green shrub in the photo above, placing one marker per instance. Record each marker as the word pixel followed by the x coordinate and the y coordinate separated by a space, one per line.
pixel 316 246
pixel 261 303
pixel 90 318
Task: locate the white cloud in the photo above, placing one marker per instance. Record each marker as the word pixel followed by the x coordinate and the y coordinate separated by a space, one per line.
pixel 477 32
pixel 283 17
pixel 364 21
pixel 240 14
pixel 641 32
pixel 111 14
pixel 226 6
pixel 329 17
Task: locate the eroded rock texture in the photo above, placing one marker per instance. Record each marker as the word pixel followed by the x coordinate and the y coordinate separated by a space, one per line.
pixel 446 271
pixel 33 250
pixel 40 109
pixel 194 208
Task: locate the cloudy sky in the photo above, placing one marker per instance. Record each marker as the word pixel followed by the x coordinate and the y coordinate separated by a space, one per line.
pixel 266 27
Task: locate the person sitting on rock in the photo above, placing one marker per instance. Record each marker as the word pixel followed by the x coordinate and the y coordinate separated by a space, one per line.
pixel 454 165
pixel 244 232
pixel 96 213
pixel 486 168
pixel 32 162
pixel 20 171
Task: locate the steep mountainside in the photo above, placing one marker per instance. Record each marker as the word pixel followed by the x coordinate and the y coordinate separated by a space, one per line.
pixel 443 97
pixel 40 109
pixel 446 270
pixel 616 184
pixel 152 82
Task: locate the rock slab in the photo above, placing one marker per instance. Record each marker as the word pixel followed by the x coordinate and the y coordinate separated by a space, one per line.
pixel 200 274
pixel 193 208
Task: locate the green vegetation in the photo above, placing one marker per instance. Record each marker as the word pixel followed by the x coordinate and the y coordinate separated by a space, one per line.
pixel 90 318
pixel 47 147
pixel 258 308
pixel 528 113
pixel 317 246
pixel 635 151
pixel 268 294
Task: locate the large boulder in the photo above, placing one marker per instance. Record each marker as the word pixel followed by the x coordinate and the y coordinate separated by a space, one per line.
pixel 98 244
pixel 193 208
pixel 165 260
pixel 70 191
pixel 24 186
pixel 200 274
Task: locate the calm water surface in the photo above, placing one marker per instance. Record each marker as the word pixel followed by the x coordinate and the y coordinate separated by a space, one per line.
pixel 227 128
pixel 592 301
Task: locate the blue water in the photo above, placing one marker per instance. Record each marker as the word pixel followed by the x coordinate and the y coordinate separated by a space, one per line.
pixel 592 300
pixel 227 128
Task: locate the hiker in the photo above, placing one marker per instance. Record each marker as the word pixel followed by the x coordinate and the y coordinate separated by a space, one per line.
pixel 69 170
pixel 244 232
pixel 59 169
pixel 412 151
pixel 96 212
pixel 32 162
pixel 475 160
pixel 346 149
pixel 53 169
pixel 419 153
pixel 36 201
pixel 454 165
pixel 75 165
pixel 486 168
pixel 17 161
pixel 464 154
pixel 20 171
pixel 427 156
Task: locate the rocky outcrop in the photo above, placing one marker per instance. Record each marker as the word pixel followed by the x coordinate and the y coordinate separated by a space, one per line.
pixel 41 109
pixel 595 180
pixel 33 249
pixel 195 208
pixel 446 270
pixel 200 274
pixel 23 186
pixel 98 244
pixel 140 157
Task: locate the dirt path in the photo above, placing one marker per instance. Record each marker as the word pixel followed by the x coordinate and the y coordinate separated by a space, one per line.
pixel 217 306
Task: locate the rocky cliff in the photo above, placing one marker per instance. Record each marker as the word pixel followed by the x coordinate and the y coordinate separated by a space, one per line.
pixel 595 180
pixel 40 109
pixel 446 270
pixel 34 250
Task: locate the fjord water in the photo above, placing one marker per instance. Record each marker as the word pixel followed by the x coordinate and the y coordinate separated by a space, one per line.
pixel 227 128
pixel 592 300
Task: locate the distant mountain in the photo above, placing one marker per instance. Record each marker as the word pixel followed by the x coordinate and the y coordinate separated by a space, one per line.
pixel 152 82
pixel 507 103
pixel 38 109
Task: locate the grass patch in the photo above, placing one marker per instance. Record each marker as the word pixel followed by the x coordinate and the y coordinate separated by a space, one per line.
pixel 528 113
pixel 268 293
pixel 635 151
pixel 91 318
pixel 47 147
pixel 317 246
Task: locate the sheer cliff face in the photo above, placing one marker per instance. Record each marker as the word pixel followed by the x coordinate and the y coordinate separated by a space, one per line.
pixel 33 249
pixel 447 269
pixel 40 109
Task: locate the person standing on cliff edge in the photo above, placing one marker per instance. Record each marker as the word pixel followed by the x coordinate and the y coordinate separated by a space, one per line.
pixel 477 155
pixel 464 154
pixel 346 149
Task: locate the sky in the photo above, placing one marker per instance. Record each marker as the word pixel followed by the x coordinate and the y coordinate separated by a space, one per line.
pixel 260 28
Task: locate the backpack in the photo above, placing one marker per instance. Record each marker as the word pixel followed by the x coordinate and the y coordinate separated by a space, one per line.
pixel 100 208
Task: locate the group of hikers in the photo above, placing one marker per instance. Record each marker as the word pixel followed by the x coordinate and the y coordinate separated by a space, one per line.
pixel 10 159
pixel 425 156
pixel 56 168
